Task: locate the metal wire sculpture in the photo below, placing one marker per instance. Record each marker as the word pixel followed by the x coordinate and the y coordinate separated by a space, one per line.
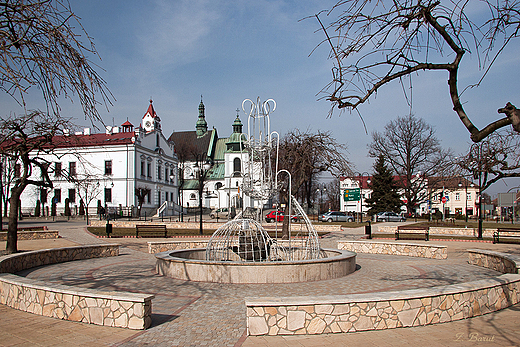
pixel 244 238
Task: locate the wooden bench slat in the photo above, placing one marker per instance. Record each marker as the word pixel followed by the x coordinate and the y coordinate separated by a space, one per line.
pixel 404 230
pixel 496 234
pixel 154 228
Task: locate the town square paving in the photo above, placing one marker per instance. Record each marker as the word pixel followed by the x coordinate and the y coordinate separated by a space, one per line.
pixel 209 314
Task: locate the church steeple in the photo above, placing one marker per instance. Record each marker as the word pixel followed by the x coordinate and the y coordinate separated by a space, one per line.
pixel 237 125
pixel 202 125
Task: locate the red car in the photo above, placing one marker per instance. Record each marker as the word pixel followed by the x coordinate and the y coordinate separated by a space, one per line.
pixel 278 216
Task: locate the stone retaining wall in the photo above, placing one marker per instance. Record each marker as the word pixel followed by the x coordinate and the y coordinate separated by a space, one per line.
pixel 127 310
pixel 378 311
pixel 32 235
pixel 395 248
pixel 469 232
pixel 387 310
pixel 505 263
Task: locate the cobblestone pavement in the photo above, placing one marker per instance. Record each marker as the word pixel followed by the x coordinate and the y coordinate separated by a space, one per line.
pixel 206 314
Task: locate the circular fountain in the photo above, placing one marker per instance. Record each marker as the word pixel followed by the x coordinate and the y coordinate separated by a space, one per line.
pixel 242 251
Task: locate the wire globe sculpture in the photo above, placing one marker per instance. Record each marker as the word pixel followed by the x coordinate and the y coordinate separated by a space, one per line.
pixel 243 238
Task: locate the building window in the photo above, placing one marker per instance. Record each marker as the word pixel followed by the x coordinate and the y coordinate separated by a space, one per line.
pixel 166 178
pixel 142 169
pixel 159 171
pixel 149 170
pixel 108 167
pixel 237 167
pixel 468 196
pixel 108 194
pixel 17 170
pixel 171 196
pixel 57 169
pixel 57 196
pixel 457 196
pixel 149 197
pixel 193 196
pixel 72 169
pixel 72 195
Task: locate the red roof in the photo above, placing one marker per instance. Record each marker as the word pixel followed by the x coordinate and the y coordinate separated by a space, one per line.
pixel 127 124
pixel 92 140
pixel 150 110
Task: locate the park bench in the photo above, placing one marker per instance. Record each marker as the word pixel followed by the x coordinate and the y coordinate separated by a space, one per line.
pixel 156 230
pixel 405 232
pixel 506 235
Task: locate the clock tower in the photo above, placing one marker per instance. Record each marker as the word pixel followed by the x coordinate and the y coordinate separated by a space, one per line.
pixel 151 120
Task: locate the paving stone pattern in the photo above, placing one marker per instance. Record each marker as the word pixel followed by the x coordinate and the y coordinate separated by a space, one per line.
pixel 195 313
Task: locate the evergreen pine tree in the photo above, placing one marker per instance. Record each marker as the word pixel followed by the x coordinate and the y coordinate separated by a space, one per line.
pixel 384 190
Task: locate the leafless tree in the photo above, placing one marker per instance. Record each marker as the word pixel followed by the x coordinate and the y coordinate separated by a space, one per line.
pixel 412 150
pixel 88 187
pixel 495 158
pixel 374 43
pixel 29 137
pixel 307 155
pixel 333 194
pixel 141 193
pixel 42 45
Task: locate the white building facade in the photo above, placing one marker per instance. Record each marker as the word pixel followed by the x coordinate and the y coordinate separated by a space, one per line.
pixel 106 169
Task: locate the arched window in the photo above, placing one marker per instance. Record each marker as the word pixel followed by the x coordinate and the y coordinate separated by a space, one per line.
pixel 237 167
pixel 193 196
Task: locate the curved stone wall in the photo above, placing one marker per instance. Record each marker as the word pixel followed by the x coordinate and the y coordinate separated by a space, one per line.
pixel 502 262
pixel 190 265
pixel 127 310
pixel 387 310
pixel 396 248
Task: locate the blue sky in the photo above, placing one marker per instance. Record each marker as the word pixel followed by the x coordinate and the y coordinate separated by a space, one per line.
pixel 227 51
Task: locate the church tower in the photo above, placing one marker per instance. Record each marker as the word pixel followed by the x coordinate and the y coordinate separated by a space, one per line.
pixel 202 125
pixel 151 120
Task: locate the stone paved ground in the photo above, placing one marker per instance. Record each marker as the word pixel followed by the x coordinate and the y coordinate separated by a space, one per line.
pixel 204 314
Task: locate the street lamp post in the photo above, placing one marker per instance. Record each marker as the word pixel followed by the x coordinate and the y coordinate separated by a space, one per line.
pixel 360 177
pixel 478 147
pixel 323 189
pixel 201 171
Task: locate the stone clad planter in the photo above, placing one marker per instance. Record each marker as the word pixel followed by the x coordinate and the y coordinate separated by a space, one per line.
pixel 387 310
pixel 396 248
pixel 116 309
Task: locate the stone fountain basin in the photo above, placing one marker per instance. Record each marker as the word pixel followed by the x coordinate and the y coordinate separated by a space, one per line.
pixel 190 265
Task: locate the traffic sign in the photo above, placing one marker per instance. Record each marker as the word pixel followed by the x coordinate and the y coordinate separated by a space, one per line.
pixel 353 194
pixel 444 199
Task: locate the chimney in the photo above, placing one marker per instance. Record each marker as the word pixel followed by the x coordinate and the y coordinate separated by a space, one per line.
pixel 66 132
pixel 86 131
pixel 108 130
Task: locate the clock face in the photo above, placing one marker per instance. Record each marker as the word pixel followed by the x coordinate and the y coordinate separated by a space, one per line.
pixel 187 171
pixel 148 124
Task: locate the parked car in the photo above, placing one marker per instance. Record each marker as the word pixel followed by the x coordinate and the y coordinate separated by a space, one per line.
pixel 336 216
pixel 278 216
pixel 220 212
pixel 389 217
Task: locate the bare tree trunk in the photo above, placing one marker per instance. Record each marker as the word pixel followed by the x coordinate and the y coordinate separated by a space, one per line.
pixel 12 229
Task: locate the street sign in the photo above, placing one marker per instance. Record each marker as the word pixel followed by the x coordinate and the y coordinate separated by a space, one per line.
pixel 353 194
pixel 444 199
